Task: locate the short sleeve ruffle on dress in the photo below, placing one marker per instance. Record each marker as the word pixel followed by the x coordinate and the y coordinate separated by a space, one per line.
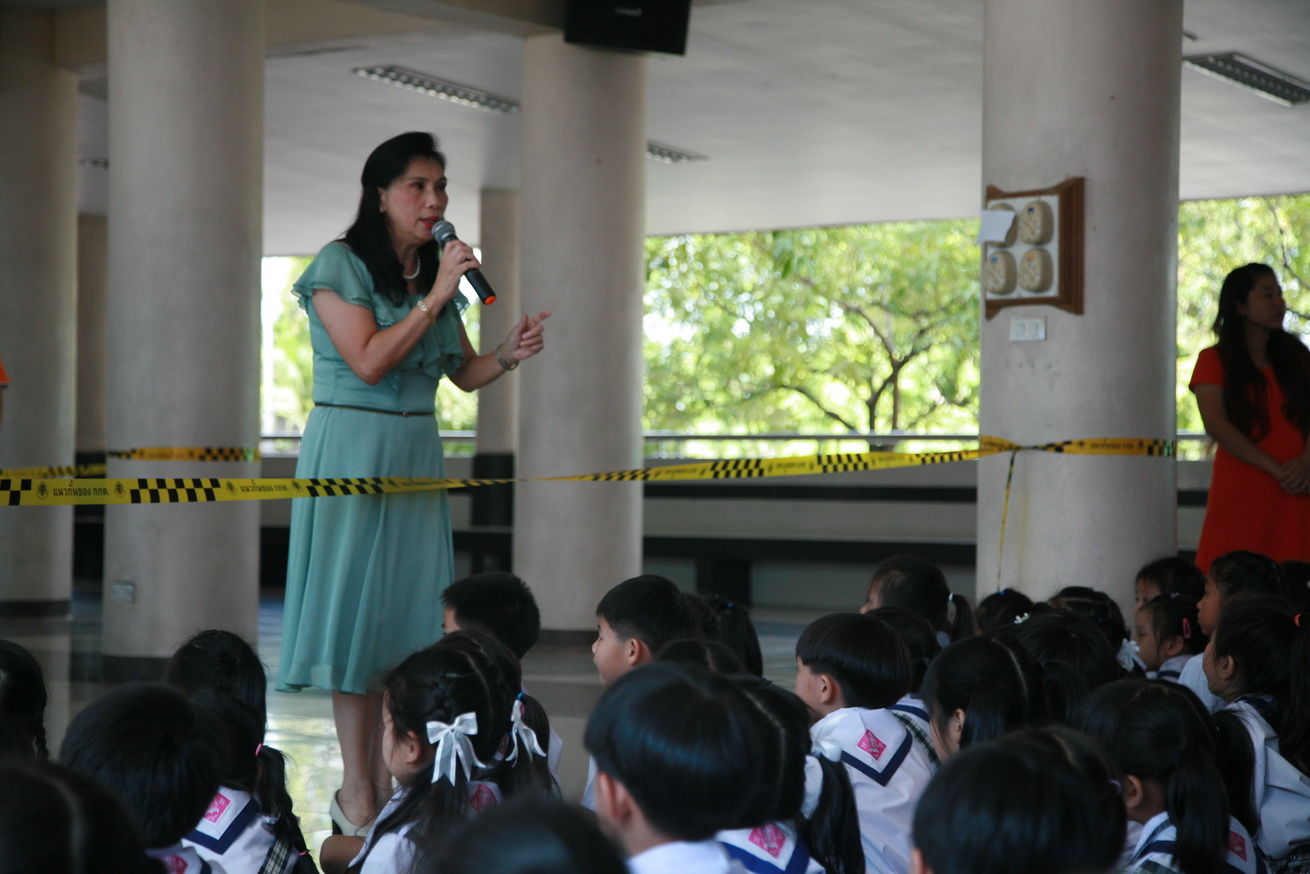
pixel 365 572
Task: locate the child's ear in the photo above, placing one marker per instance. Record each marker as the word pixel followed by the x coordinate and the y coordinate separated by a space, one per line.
pixel 1171 646
pixel 613 803
pixel 1133 792
pixel 829 691
pixel 637 652
pixel 955 727
pixel 412 750
pixel 1225 668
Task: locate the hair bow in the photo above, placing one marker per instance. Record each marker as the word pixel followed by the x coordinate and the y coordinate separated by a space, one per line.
pixel 520 732
pixel 453 746
pixel 1127 655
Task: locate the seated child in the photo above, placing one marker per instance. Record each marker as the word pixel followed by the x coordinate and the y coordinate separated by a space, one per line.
pixel 634 621
pixel 1012 806
pixel 1001 609
pixel 56 821
pixel 454 738
pixel 532 836
pixel 149 746
pixel 1256 663
pixel 1232 575
pixel 1074 653
pixel 677 753
pixel 250 823
pixel 1169 576
pixel 979 689
pixel 850 668
pixel 920 586
pixel 1168 633
pixel 1166 753
pixel 23 696
pixel 502 605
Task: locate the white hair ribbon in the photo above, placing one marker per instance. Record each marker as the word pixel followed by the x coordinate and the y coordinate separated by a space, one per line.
pixel 1127 654
pixel 453 746
pixel 519 731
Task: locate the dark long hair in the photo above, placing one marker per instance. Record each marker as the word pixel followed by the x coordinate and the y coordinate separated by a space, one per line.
pixel 1245 394
pixel 23 695
pixel 993 680
pixel 369 237
pixel 919 585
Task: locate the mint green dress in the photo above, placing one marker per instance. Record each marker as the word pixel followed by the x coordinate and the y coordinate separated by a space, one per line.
pixel 365 572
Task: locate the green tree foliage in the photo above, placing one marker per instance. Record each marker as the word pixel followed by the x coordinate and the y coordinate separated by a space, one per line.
pixel 851 329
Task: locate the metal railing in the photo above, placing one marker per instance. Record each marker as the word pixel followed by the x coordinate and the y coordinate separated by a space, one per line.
pixel 1192 445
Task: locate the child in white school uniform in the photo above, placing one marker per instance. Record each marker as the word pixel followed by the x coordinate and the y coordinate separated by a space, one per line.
pixel 678 758
pixel 1258 663
pixel 850 668
pixel 923 647
pixel 457 736
pixel 785 835
pixel 1167 631
pixel 148 745
pixel 250 827
pixel 1166 751
pixel 1231 575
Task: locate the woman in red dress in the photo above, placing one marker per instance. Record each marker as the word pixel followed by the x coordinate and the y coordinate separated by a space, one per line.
pixel 1253 392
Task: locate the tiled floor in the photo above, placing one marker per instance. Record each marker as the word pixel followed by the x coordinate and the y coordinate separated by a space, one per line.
pixel 300 724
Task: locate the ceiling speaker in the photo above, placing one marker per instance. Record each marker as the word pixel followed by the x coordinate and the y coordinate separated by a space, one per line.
pixel 639 25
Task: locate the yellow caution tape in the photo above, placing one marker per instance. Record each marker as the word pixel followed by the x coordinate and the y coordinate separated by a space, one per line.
pixel 17 488
pixel 187 453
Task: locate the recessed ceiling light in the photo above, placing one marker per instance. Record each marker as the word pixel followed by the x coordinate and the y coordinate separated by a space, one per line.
pixel 466 96
pixel 1261 78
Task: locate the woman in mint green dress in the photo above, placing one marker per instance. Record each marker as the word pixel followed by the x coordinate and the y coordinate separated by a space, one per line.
pixel 365 572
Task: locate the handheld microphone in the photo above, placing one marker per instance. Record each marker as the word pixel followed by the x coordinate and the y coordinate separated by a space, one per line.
pixel 443 232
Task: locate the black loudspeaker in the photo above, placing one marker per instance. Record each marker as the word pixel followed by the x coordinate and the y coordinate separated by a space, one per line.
pixel 641 25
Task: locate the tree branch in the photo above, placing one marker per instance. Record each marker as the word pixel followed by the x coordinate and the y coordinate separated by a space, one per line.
pixel 809 396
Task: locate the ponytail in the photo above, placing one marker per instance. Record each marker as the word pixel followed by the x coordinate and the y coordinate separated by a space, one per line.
pixel 1235 757
pixel 962 625
pixel 734 629
pixel 833 830
pixel 991 679
pixel 1197 812
pixel 529 770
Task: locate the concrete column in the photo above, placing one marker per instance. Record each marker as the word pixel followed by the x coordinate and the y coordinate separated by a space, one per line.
pixel 38 305
pixel 92 352
pixel 582 196
pixel 498 403
pixel 1085 89
pixel 185 196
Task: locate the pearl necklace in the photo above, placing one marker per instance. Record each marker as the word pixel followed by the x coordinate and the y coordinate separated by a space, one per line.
pixel 418 265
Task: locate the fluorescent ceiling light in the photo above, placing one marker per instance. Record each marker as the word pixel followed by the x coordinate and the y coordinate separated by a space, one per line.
pixel 1249 73
pixel 465 96
pixel 451 91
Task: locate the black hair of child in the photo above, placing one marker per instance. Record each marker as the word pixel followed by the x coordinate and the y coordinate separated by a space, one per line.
pixel 1174 575
pixel 23 695
pixel 1265 640
pixel 710 654
pixel 1158 732
pixel 147 744
pixel 650 608
pixel 225 662
pixel 832 831
pixel 685 744
pixel 919 585
pixel 864 655
pixel 499 603
pixel 526 836
pixel 733 628
pixel 1247 573
pixel 993 680
pixel 1094 763
pixel 1296 581
pixel 1176 616
pixel 56 821
pixel 1001 609
pixel 920 640
pixel 1009 806
pixel 1098 607
pixel 1074 654
pixel 528 773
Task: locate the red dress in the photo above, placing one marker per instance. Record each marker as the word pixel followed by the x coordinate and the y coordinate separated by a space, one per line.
pixel 1247 508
